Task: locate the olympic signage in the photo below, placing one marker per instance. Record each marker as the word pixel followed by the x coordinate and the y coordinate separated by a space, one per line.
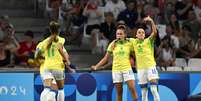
pixel 16 87
pixel 99 87
pixel 96 87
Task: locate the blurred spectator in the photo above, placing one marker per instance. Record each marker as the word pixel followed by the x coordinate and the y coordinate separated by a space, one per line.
pixel 129 15
pixel 74 36
pixel 140 11
pixel 102 44
pixel 27 48
pixel 10 43
pixel 197 10
pixel 5 55
pixel 187 45
pixel 1 31
pixel 166 53
pixel 64 6
pixel 161 5
pixel 174 23
pixel 169 10
pixel 152 11
pixel 197 52
pixel 52 9
pixel 70 9
pixel 166 30
pixel 94 15
pixel 194 25
pixel 115 6
pixel 174 39
pixel 74 23
pixel 108 27
pixel 4 22
pixel 182 7
pixel 73 15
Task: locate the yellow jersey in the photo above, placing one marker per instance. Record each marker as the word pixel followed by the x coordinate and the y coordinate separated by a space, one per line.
pixel 53 58
pixel 41 51
pixel 144 52
pixel 121 55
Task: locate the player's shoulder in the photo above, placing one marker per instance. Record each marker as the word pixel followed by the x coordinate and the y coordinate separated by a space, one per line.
pixel 61 39
pixel 111 43
pixel 149 39
pixel 44 42
pixel 132 40
pixel 39 44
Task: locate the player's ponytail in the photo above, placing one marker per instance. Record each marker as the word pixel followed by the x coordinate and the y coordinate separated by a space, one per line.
pixel 54 27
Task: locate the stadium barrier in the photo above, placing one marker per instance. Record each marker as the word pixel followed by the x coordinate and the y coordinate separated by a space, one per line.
pixel 96 87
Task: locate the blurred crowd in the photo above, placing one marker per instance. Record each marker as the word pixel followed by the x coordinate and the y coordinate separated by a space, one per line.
pixel 178 22
pixel 12 50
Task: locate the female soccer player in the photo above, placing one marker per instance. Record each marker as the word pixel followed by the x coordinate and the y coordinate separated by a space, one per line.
pixel 121 67
pixel 146 65
pixel 53 67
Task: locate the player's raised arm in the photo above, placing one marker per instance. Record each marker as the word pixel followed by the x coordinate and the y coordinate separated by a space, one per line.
pixel 153 26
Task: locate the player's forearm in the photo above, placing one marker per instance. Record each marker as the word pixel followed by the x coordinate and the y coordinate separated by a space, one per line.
pixel 62 53
pixel 153 26
pixel 103 61
pixel 67 58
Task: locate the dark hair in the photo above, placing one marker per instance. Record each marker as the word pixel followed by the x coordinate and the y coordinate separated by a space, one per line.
pixel 132 1
pixel 29 33
pixel 108 14
pixel 142 25
pixel 121 26
pixel 54 27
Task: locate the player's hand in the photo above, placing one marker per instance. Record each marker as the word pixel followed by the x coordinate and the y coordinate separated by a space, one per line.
pixel 53 38
pixel 70 70
pixel 148 18
pixel 93 68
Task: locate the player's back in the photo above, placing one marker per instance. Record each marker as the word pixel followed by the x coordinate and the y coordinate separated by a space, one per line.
pixel 53 58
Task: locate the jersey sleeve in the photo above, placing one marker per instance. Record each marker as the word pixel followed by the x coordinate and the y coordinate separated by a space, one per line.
pixel 64 49
pixel 132 41
pixel 151 40
pixel 110 48
pixel 39 47
pixel 61 40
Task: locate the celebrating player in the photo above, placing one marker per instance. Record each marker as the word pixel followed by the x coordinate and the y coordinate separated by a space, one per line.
pixel 146 65
pixel 121 67
pixel 53 67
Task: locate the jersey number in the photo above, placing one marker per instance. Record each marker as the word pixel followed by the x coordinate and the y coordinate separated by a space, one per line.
pixel 51 51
